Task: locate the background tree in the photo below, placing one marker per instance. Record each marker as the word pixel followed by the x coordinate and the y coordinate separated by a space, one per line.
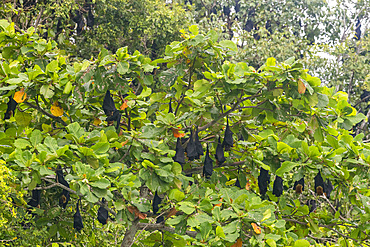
pixel 287 123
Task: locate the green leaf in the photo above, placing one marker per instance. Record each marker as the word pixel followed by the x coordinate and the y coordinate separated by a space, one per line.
pixel 205 230
pixel 101 183
pixel 177 195
pixel 36 137
pixel 287 166
pixel 101 148
pixel 271 242
pixel 187 207
pixel 68 88
pixel 220 232
pixel 122 67
pixel 52 66
pixel 301 243
pixel 318 135
pixel 21 143
pixel 47 91
pixel 229 44
pixel 22 118
pixel 194 29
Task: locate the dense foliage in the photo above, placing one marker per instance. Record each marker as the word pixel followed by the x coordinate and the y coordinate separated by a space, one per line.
pixel 215 145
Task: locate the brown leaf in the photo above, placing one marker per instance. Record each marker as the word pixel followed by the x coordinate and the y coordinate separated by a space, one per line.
pixel 172 212
pixel 301 87
pixel 238 243
pixel 176 133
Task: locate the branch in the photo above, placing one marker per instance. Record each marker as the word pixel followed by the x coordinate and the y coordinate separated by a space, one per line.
pixel 189 83
pixel 154 227
pixel 233 108
pixel 71 191
pixel 200 169
pixel 364 122
pixel 130 233
pixel 58 119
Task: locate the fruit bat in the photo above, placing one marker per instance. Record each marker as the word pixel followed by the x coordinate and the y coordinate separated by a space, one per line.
pixel 90 18
pixel 226 11
pixel 328 188
pixel 299 186
pixel 12 104
pixel 358 30
pixel 180 153
pixel 228 139
pixel 156 201
pixel 102 214
pixel 198 144
pixel 249 25
pixel 312 205
pixel 170 107
pixel 64 197
pixel 237 6
pixel 191 150
pixel 77 219
pixel 263 181
pixel 220 158
pixel 277 188
pixel 35 200
pixel 319 184
pixel 110 109
pixel 208 165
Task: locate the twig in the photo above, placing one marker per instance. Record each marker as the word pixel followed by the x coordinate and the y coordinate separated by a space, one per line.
pixel 58 119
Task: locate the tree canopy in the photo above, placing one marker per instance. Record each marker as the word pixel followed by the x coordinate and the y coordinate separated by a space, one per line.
pixel 203 143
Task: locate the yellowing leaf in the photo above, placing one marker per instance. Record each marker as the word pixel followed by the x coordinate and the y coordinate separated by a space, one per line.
pixel 176 133
pixel 97 121
pixel 20 96
pixel 256 228
pixel 124 105
pixel 239 243
pixel 56 110
pixel 301 87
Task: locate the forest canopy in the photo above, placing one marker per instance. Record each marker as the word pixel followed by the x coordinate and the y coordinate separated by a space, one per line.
pixel 126 124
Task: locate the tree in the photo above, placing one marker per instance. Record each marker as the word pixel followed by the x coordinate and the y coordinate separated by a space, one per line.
pixel 280 118
pixel 84 27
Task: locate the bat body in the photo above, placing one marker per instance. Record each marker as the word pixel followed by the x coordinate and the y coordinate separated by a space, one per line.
pixel 12 104
pixel 64 197
pixel 110 109
pixel 263 181
pixel 35 200
pixel 102 214
pixel 228 139
pixel 191 150
pixel 299 186
pixel 180 153
pixel 198 145
pixel 156 201
pixel 220 157
pixel 278 189
pixel 77 219
pixel 319 184
pixel 208 165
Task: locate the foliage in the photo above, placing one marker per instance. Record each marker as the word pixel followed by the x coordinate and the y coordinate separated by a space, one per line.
pixel 283 119
pixel 147 26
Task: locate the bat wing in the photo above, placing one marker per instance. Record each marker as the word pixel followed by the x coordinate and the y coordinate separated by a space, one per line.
pixel 108 104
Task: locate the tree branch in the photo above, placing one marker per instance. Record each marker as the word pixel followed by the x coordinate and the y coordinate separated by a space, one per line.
pixel 71 191
pixel 58 119
pixel 154 227
pixel 364 122
pixel 130 233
